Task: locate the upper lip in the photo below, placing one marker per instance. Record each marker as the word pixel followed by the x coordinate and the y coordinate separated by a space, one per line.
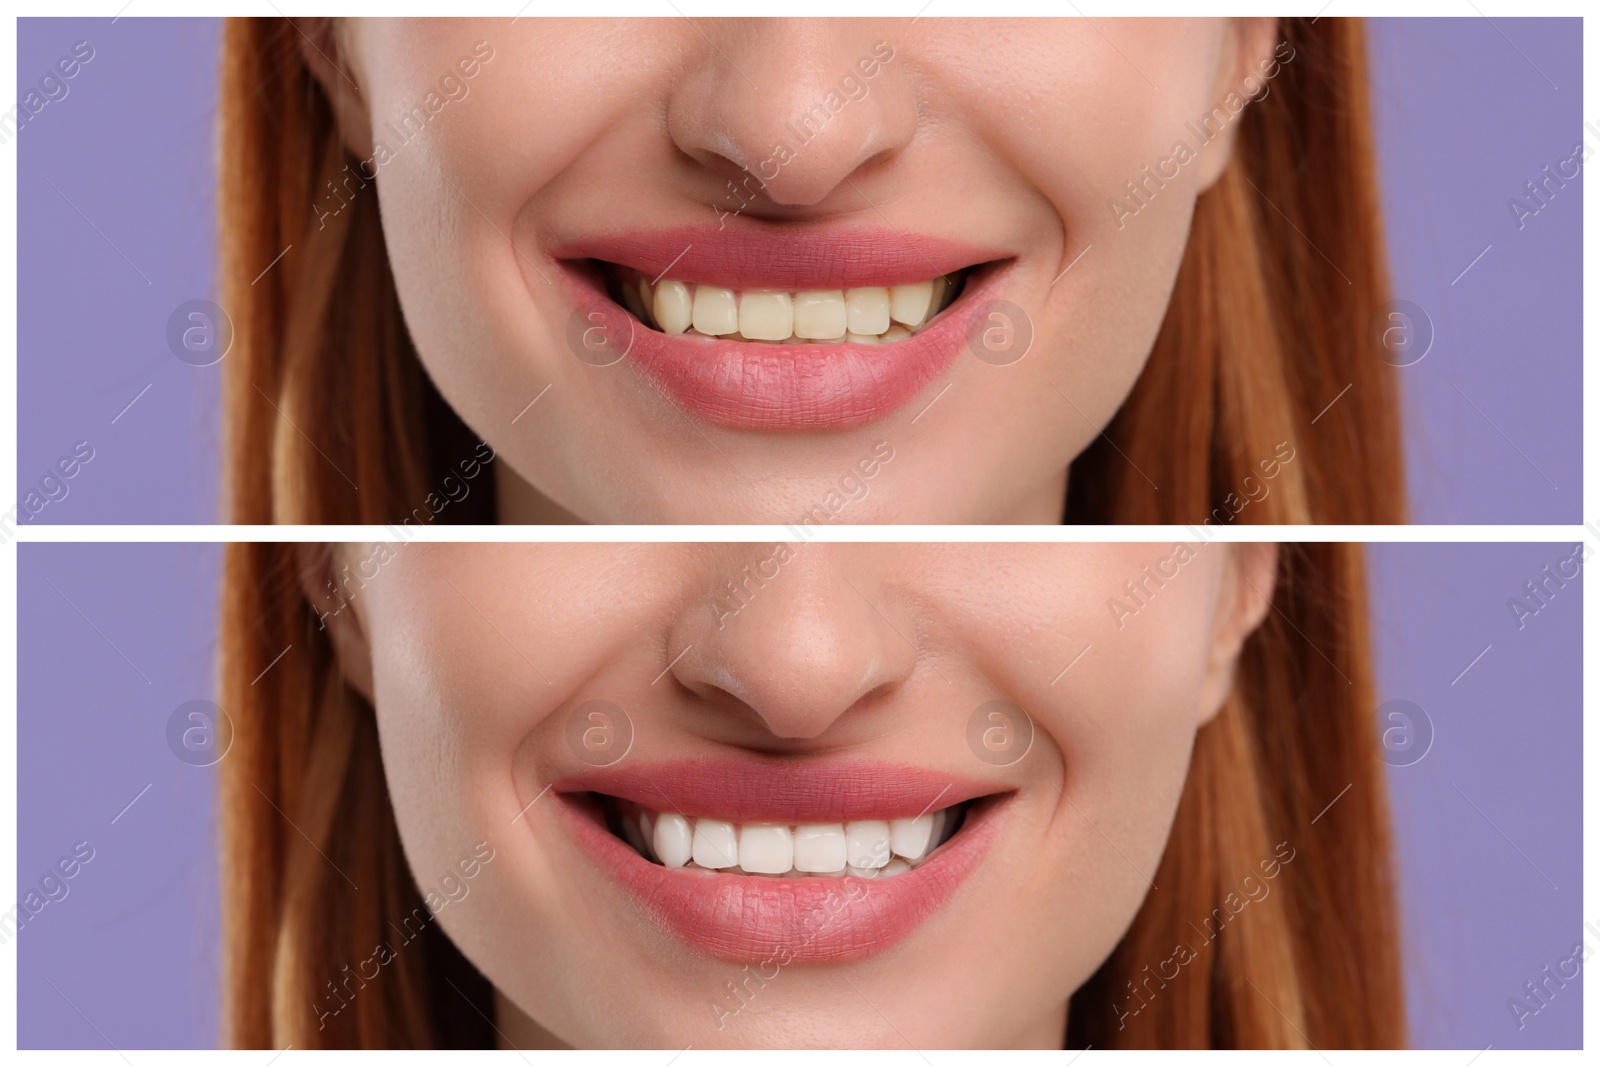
pixel 781 790
pixel 752 254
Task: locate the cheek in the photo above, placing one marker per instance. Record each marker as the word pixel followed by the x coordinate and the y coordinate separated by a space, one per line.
pixel 1082 129
pixel 449 698
pixel 476 652
pixel 1127 749
pixel 1134 701
pixel 1113 736
pixel 1136 721
pixel 1131 625
pixel 452 694
pixel 462 206
pixel 466 303
pixel 1077 122
pixel 448 197
pixel 470 675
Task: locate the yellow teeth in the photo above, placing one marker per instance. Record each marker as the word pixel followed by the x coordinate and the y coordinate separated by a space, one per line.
pixel 870 316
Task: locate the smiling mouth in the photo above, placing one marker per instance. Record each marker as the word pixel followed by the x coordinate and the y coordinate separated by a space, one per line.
pixel 864 848
pixel 772 328
pixel 865 315
pixel 821 861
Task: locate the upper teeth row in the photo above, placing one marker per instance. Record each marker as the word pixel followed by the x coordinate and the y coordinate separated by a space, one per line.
pixel 867 849
pixel 873 315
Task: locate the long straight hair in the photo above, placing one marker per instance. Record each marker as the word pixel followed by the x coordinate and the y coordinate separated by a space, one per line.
pixel 1271 345
pixel 1276 878
pixel 325 394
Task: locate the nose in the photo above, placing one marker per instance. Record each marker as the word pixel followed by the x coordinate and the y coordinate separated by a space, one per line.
pixel 786 110
pixel 791 648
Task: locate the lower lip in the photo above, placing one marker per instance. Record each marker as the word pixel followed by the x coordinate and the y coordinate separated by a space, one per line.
pixel 755 919
pixel 756 386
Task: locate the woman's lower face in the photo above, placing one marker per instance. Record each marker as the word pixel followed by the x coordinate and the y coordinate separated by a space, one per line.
pixel 792 795
pixel 791 270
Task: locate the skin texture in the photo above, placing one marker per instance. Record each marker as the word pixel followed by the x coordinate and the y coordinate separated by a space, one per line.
pixel 475 657
pixel 1010 135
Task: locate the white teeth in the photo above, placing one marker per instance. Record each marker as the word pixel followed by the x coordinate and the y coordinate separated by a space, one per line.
pixel 910 837
pixel 865 848
pixel 819 847
pixel 819 314
pixel 864 338
pixel 910 304
pixel 674 307
pixel 673 839
pixel 866 843
pixel 866 310
pixel 765 848
pixel 888 870
pixel 765 315
pixel 716 844
pixel 716 310
pixel 895 333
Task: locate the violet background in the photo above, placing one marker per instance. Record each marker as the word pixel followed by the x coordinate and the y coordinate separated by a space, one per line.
pixel 1467 111
pixel 113 637
pixel 1465 116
